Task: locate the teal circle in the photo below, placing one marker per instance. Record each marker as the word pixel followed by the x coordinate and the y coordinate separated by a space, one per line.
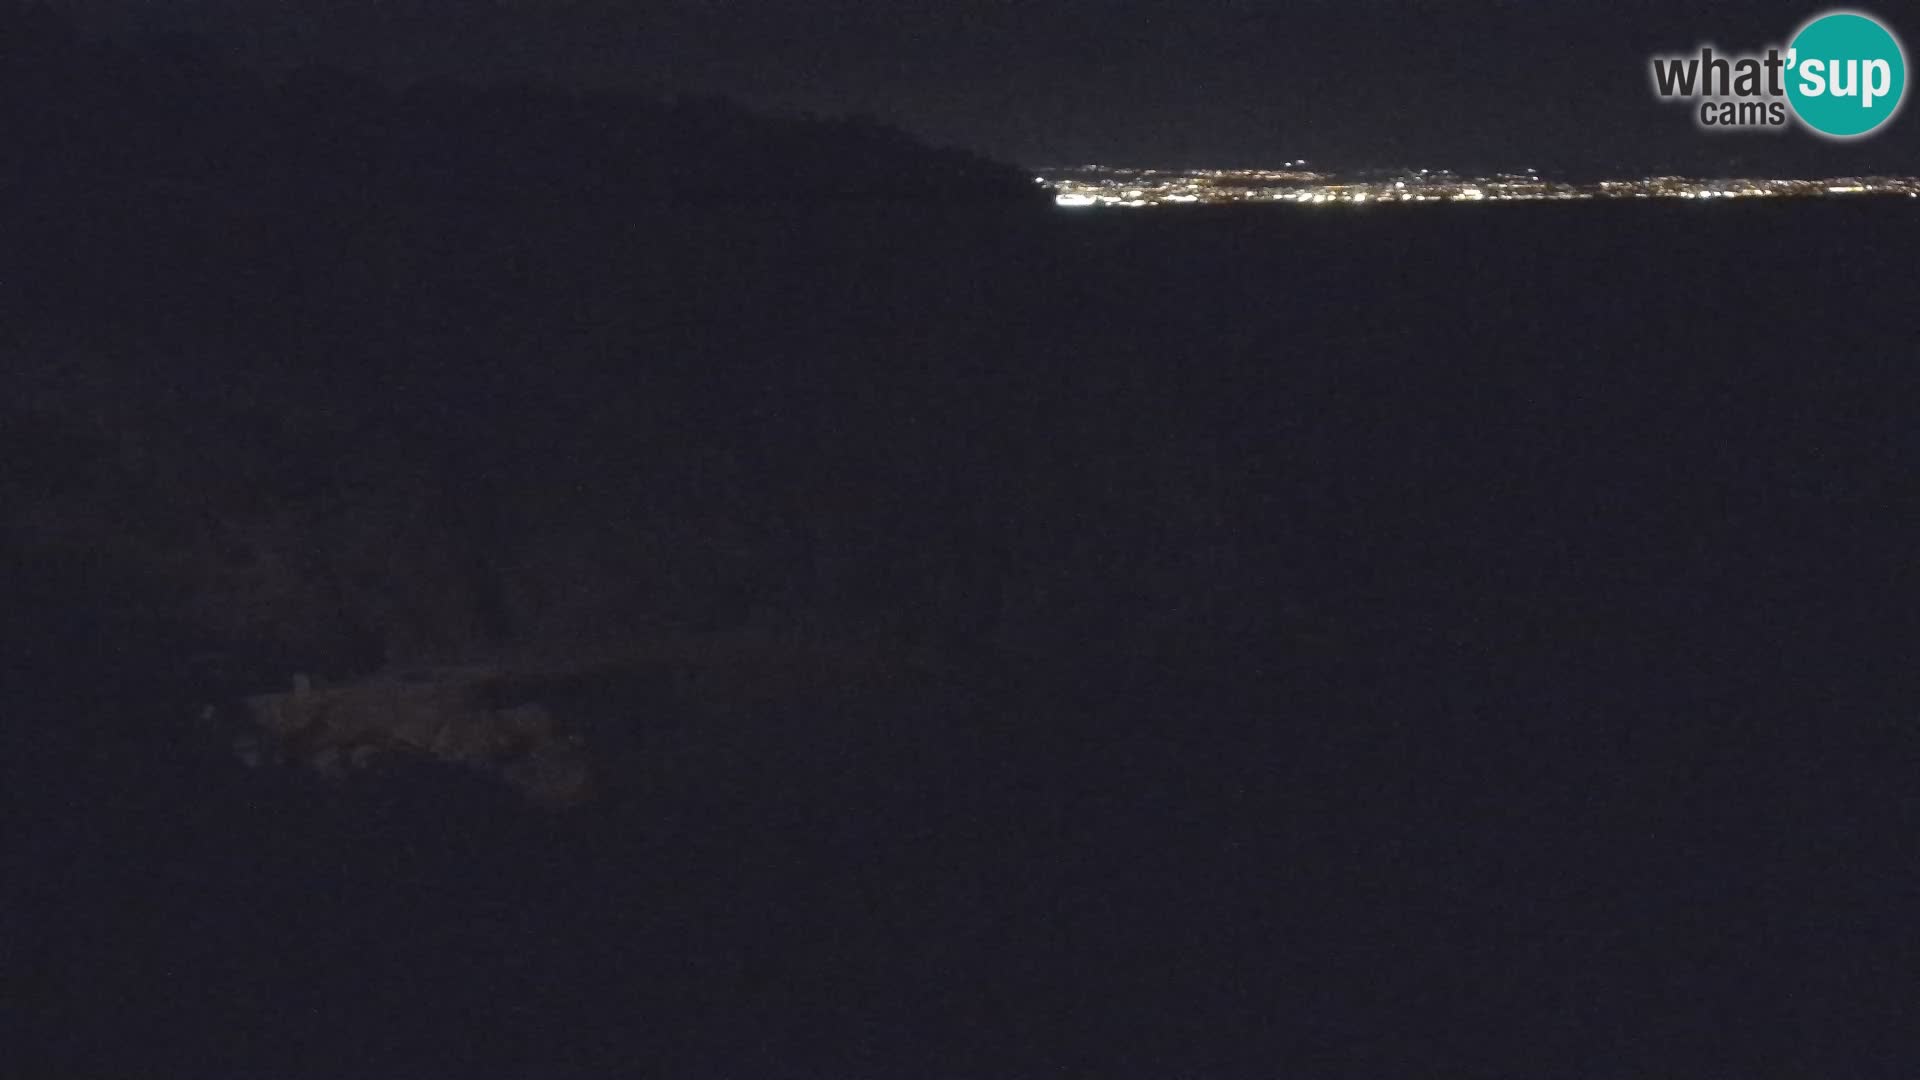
pixel 1850 50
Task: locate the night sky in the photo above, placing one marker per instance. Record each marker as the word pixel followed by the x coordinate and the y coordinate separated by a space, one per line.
pixel 1557 84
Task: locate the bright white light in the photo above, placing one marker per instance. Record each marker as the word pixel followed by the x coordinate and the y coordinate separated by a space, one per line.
pixel 1070 198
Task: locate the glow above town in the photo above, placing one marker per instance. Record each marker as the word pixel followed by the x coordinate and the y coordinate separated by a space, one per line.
pixel 1099 185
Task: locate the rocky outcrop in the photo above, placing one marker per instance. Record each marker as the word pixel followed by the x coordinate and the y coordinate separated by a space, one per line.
pixel 466 718
pixel 558 727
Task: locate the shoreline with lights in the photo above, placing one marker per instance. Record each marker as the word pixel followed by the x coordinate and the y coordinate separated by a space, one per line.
pixel 1099 185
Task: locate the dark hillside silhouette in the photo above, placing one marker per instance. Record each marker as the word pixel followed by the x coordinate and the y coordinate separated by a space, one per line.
pixel 115 117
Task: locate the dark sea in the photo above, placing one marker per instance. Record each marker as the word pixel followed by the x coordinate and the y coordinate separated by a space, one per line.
pixel 1427 641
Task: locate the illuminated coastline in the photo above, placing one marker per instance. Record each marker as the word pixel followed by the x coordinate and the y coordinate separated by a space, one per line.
pixel 1097 185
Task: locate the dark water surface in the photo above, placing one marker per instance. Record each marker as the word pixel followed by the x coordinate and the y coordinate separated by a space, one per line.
pixel 1466 641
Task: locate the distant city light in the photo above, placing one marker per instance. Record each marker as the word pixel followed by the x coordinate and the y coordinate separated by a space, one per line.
pixel 1096 185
